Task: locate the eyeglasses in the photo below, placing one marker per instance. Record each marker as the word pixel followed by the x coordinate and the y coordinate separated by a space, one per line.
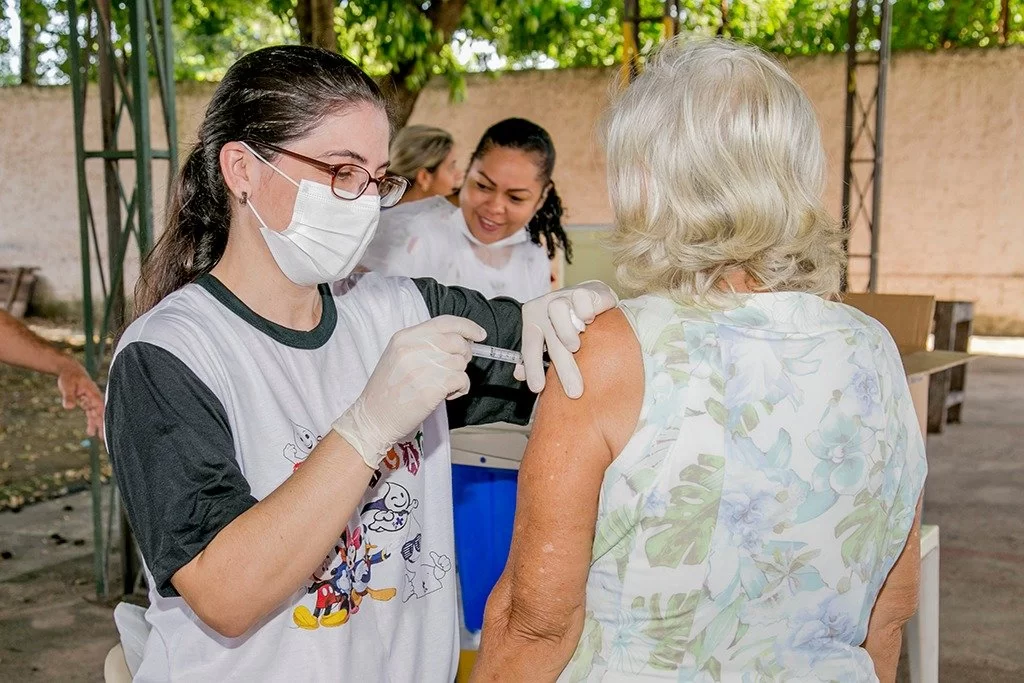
pixel 349 181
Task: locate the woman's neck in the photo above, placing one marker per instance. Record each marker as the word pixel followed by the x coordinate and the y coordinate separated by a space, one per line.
pixel 248 269
pixel 413 194
pixel 738 281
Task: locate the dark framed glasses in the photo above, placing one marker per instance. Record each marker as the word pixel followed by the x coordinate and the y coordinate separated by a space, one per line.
pixel 349 181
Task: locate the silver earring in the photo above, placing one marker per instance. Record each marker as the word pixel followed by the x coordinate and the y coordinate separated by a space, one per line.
pixel 244 198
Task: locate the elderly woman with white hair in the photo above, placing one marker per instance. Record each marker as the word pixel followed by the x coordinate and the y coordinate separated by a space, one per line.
pixel 733 496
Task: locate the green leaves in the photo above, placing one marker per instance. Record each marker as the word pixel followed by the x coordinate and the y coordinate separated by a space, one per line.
pixel 423 38
pixel 210 35
pixel 616 534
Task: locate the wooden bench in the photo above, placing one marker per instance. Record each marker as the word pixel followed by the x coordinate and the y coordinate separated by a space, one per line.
pixel 16 288
pixel 953 323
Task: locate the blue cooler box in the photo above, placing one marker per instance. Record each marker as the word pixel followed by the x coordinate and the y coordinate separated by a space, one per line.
pixel 485 506
pixel 485 469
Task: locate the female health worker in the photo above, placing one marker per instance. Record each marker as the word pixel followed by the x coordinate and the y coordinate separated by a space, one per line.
pixel 501 237
pixel 491 242
pixel 281 448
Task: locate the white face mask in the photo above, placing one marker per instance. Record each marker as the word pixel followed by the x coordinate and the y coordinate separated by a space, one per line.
pixel 326 237
pixel 518 237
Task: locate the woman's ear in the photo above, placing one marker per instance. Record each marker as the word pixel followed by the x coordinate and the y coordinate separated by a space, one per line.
pixel 424 179
pixel 236 165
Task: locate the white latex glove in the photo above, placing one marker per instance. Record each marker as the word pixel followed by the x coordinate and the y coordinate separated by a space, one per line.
pixel 420 368
pixel 556 320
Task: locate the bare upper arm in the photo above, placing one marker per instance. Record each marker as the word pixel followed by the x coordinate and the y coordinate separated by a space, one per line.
pixel 571 446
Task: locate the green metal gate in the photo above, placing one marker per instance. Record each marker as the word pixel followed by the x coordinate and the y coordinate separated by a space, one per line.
pixel 123 51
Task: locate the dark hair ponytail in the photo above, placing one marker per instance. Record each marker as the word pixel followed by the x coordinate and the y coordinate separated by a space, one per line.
pixel 272 95
pixel 528 137
pixel 195 233
pixel 548 222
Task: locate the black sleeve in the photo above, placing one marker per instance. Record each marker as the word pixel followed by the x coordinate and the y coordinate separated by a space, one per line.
pixel 173 457
pixel 494 395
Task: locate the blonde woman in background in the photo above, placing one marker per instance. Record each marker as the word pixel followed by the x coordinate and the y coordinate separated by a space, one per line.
pixel 733 497
pixel 426 157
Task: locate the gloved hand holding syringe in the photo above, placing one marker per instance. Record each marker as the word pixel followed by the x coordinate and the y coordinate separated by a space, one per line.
pixel 425 364
pixel 509 355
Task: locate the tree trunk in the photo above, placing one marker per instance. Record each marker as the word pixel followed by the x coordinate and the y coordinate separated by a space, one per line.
pixel 402 97
pixel 315 19
pixel 445 16
pixel 1004 22
pixel 722 28
pixel 28 42
pixel 324 34
pixel 304 19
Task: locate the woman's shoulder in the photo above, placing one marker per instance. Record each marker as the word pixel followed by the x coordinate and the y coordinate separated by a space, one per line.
pixel 608 340
pixel 611 363
pixel 185 329
pixel 411 237
pixel 373 296
pixel 420 212
pixel 182 320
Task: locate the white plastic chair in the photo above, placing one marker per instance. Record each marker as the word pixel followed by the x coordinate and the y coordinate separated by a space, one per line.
pixel 124 659
pixel 923 628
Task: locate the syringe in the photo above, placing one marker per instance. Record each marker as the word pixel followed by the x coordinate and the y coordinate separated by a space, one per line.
pixel 496 353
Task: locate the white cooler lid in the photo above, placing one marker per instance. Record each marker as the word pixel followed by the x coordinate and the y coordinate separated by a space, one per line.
pixel 499 446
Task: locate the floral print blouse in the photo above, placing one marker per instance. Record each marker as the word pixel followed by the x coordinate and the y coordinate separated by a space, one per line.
pixel 745 530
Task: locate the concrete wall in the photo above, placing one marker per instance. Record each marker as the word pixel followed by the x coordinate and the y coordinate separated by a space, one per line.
pixel 952 207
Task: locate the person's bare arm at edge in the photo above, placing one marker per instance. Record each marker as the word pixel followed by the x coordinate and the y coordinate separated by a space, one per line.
pixel 895 605
pixel 21 347
pixel 535 613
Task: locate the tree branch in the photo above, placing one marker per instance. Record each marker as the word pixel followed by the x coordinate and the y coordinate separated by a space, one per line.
pixel 315 19
pixel 1004 22
pixel 445 17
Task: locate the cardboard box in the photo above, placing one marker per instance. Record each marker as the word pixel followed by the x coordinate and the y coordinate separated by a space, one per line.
pixel 908 317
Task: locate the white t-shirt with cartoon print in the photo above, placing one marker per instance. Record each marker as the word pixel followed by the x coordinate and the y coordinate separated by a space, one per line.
pixel 211 408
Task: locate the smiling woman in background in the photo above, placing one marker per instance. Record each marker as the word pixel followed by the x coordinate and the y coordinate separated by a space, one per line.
pixel 501 237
